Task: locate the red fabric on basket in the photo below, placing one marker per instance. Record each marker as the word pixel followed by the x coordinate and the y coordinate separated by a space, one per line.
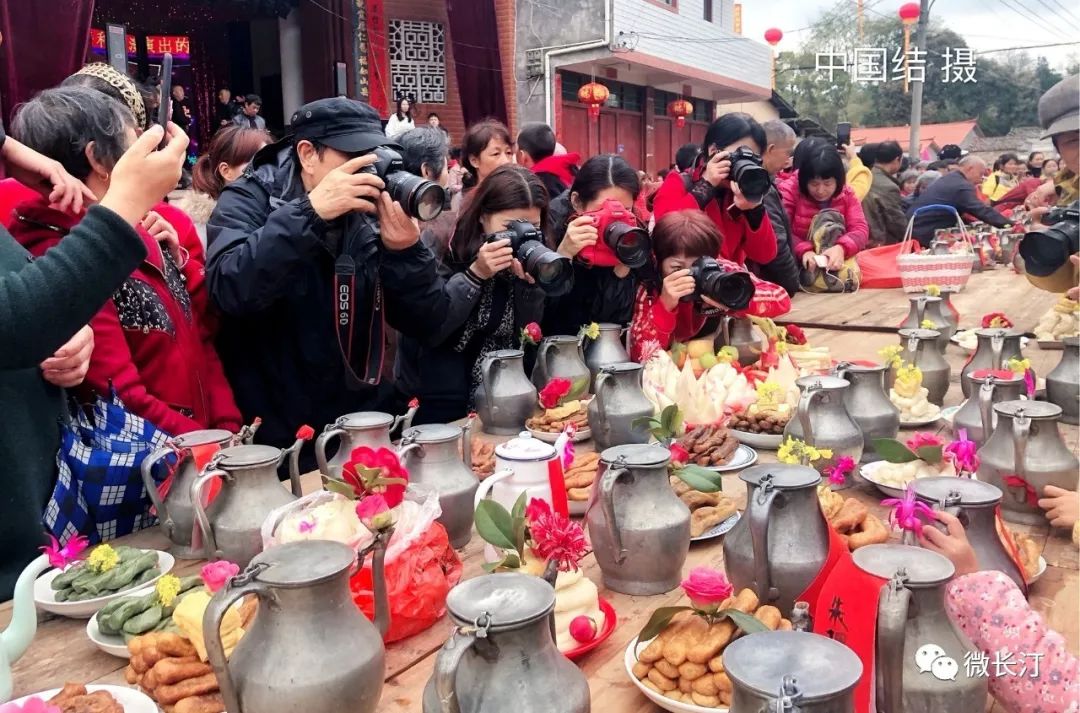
pixel 417 582
pixel 878 265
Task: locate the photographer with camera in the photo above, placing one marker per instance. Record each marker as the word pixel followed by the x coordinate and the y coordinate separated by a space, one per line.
pixel 690 285
pixel 492 283
pixel 728 183
pixel 593 224
pixel 312 252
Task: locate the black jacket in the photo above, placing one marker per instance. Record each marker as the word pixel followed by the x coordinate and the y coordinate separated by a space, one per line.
pixel 953 190
pixel 598 295
pixel 783 270
pixel 271 271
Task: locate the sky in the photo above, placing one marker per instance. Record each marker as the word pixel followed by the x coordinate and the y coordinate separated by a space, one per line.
pixel 985 24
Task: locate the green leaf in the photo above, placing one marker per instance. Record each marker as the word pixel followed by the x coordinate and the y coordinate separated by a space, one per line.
pixel 336 486
pixel 519 505
pixel 520 529
pixel 744 621
pixel 578 388
pixel 494 524
pixel 490 567
pixel 658 621
pixel 894 451
pixel 699 478
pixel 668 419
pixel 930 454
pixel 511 562
pixel 648 422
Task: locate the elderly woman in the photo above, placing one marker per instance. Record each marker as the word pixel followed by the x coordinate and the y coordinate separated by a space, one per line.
pixel 150 343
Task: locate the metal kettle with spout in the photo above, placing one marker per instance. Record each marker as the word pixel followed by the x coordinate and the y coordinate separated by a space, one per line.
pixel 618 405
pixel 430 453
pixel 364 428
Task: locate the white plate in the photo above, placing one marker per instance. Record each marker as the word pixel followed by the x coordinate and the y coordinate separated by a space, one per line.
pixel 867 472
pixel 766 441
pixel 719 529
pixel 923 422
pixel 131 700
pixel 630 658
pixel 112 645
pixel 582 434
pixel 1041 571
pixel 45 597
pixel 949 413
pixel 744 456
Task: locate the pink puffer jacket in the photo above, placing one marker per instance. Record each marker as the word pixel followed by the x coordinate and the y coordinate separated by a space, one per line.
pixel 801 210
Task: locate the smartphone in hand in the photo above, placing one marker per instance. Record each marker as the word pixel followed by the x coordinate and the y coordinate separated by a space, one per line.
pixel 165 107
pixel 843 134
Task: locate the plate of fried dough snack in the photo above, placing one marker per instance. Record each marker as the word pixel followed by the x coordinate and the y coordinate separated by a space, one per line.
pixel 682 669
pixel 852 519
pixel 711 514
pixel 1034 564
pixel 77 698
pixel 715 447
pixel 548 425
pixel 579 478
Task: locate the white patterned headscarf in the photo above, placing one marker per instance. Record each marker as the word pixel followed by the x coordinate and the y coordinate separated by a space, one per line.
pixel 123 84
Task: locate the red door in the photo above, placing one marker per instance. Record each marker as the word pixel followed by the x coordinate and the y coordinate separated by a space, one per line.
pixel 575 128
pixel 630 139
pixel 664 152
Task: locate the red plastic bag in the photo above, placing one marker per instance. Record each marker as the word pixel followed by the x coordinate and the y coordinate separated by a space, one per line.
pixel 878 265
pixel 417 582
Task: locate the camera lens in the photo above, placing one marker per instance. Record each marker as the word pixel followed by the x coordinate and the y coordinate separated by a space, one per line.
pixel 630 243
pixel 419 197
pixel 753 180
pixel 732 289
pixel 1045 251
pixel 552 271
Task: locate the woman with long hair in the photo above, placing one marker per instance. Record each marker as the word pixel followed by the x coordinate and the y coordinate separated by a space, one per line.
pixel 487 146
pixel 489 297
pixel 401 120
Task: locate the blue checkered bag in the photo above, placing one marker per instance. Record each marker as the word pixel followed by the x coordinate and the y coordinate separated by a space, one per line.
pixel 99 492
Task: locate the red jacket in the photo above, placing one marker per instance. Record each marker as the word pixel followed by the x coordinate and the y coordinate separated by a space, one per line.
pixel 148 340
pixel 560 166
pixel 802 209
pixel 741 241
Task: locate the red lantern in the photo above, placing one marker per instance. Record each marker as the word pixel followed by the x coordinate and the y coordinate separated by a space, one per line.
pixel 680 109
pixel 773 35
pixel 909 13
pixel 593 95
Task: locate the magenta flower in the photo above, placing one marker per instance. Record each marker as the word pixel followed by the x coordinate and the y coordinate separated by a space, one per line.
pixel 61 557
pixel 921 439
pixel 566 446
pixel 964 453
pixel 838 473
pixel 706 588
pixel 217 574
pixel 32 705
pixel 908 512
pixel 374 512
pixel 1029 382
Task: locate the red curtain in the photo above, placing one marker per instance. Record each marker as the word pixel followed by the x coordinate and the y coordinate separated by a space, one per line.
pixel 62 26
pixel 474 36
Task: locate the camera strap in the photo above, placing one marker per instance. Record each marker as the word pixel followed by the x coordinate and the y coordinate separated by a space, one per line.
pixel 358 374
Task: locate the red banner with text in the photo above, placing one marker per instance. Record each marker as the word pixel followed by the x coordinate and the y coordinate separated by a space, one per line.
pixel 378 57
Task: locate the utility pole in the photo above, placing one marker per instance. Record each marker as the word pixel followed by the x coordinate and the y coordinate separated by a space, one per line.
pixel 917 87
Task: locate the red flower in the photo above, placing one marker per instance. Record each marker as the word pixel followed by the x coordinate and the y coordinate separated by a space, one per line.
pixel 795 334
pixel 414 403
pixel 679 455
pixel 305 433
pixel 921 439
pixel 553 393
pixel 555 537
pixel 368 470
pixel 996 319
pixel 531 334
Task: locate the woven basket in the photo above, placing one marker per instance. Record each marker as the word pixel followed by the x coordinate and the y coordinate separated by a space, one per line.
pixel 922 269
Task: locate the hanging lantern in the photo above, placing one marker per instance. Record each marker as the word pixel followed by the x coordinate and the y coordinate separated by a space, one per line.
pixel 680 109
pixel 773 35
pixel 593 95
pixel 909 13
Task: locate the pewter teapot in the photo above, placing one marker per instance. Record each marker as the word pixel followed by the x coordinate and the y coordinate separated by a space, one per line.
pixel 976 415
pixel 925 307
pixel 739 332
pixel 919 348
pixel 791 672
pixel 619 403
pixel 868 404
pixel 781 542
pixel 605 350
pixel 994 349
pixel 431 455
pixel 975 503
pixel 176 515
pixel 501 655
pixel 505 398
pixel 309 648
pixel 822 420
pixel 231 527
pixel 1063 383
pixel 560 357
pixel 364 428
pixel 639 528
pixel 912 673
pixel 1025 454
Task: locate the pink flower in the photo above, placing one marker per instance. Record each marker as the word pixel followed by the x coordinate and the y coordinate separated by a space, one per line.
pixel 583 629
pixel 679 454
pixel 531 334
pixel 908 512
pixel 1029 383
pixel 553 536
pixel 306 526
pixel 61 557
pixel 923 439
pixel 374 512
pixel 217 574
pixel 964 453
pixel 838 473
pixel 706 588
pixel 568 451
pixel 31 705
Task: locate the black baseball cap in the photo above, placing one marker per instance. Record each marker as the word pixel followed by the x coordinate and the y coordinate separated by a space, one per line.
pixel 344 124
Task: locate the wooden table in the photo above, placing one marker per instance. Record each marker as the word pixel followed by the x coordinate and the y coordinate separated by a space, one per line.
pixel 62 652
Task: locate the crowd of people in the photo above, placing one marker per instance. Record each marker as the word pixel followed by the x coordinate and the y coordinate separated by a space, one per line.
pixel 290 285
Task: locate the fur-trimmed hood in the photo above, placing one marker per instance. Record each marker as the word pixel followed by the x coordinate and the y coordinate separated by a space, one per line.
pixel 198 206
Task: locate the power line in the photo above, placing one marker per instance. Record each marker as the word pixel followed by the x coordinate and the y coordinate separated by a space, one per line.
pixel 1057 15
pixel 1030 16
pixel 1028 47
pixel 1064 9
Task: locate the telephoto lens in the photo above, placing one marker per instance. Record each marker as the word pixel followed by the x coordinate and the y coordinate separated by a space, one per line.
pixel 554 273
pixel 727 287
pixel 746 170
pixel 419 198
pixel 630 244
pixel 1046 251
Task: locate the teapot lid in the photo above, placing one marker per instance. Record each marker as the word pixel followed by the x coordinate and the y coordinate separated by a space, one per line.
pixel 829 383
pixel 922 568
pixel 246 456
pixel 998 332
pixel 525 448
pixel 510 599
pixel 784 476
pixel 202 438
pixel 1031 409
pixel 562 339
pixel 926 299
pixel 1070 341
pixel 622 367
pixel 500 354
pixel 610 327
pixel 432 433
pixel 920 334
pixel 971 492
pixel 822 668
pixel 636 456
pixel 299 564
pixel 362 420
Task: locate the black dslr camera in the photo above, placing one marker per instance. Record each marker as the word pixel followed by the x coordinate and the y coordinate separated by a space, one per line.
pixel 731 288
pixel 419 197
pixel 553 272
pixel 1045 251
pixel 746 170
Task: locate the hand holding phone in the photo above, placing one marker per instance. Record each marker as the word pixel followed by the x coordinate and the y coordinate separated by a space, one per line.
pixel 165 108
pixel 843 134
